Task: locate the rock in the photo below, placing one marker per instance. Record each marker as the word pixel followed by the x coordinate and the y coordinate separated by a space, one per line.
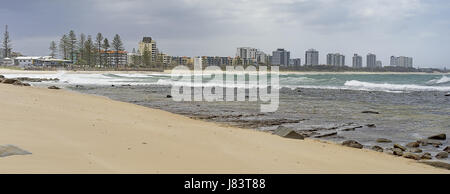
pixel 411 156
pixel 377 148
pixel 79 86
pixel 397 152
pixel 425 142
pixel 353 144
pixel 169 96
pixel 426 156
pixel 1 76
pixel 326 135
pixel 413 145
pixel 399 147
pixel 447 94
pixel 447 149
pixel 371 125
pixel 415 150
pixel 438 137
pixel 53 88
pixel 288 133
pixel 438 164
pixel 370 112
pixel 10 150
pixel 442 155
pixel 383 140
pixel 9 81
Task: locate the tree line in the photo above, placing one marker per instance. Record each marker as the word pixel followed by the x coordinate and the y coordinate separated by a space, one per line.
pixel 85 51
pixel 6 44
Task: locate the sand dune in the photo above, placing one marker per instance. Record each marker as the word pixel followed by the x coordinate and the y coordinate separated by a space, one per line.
pixel 67 132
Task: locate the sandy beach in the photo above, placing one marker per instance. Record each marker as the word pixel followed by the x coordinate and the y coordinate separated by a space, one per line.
pixel 68 132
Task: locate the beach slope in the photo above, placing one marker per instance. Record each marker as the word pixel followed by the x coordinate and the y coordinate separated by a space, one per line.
pixel 67 132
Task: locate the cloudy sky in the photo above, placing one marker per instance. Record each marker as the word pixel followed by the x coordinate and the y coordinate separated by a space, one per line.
pixel 418 28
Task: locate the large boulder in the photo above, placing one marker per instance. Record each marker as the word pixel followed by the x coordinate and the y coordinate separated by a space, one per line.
pixel 411 156
pixel 383 140
pixel 288 133
pixel 438 137
pixel 413 145
pixel 442 155
pixel 2 76
pixel 426 156
pixel 53 88
pixel 400 147
pixel 447 149
pixel 10 150
pixel 425 142
pixel 352 144
pixel 9 81
pixel 397 152
pixel 377 148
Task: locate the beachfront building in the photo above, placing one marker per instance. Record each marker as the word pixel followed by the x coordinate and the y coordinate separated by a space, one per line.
pixel 149 45
pixel 406 62
pixel 186 61
pixel 297 62
pixel 216 61
pixel 371 60
pixel 336 59
pixel 281 57
pixel 115 59
pixel 357 61
pixel 39 61
pixel 311 57
pixel 249 55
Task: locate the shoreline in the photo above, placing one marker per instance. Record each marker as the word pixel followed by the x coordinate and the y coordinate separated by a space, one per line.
pixel 70 132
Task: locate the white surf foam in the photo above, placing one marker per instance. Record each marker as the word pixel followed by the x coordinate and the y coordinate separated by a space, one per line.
pixel 393 87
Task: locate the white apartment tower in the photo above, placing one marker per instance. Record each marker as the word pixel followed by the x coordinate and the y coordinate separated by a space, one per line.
pixel 311 57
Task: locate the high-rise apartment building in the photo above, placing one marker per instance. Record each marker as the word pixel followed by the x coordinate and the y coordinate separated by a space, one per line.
pixel 281 57
pixel 371 60
pixel 357 61
pixel 148 44
pixel 336 59
pixel 402 61
pixel 312 57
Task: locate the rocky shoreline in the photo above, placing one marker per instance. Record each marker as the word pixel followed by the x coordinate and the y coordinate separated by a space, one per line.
pixel 411 150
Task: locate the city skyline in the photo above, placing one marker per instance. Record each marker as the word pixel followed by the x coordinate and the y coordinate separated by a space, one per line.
pixel 182 28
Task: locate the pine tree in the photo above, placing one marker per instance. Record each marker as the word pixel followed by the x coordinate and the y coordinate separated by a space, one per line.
pixel 105 47
pixel 63 47
pixel 53 49
pixel 72 44
pixel 6 43
pixel 89 51
pixel 147 57
pixel 98 41
pixel 81 47
pixel 117 46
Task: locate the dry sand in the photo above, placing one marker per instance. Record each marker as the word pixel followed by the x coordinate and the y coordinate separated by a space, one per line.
pixel 67 132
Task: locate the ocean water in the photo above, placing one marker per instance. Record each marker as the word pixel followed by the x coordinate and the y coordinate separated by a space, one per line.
pixel 368 82
pixel 411 106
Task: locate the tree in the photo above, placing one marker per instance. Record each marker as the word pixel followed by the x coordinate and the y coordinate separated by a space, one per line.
pixel 98 41
pixel 89 51
pixel 63 46
pixel 117 46
pixel 6 43
pixel 71 44
pixel 147 57
pixel 53 49
pixel 81 43
pixel 105 47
